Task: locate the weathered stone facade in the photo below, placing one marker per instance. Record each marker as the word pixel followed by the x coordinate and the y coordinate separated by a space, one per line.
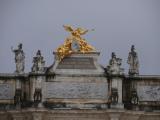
pixel 78 88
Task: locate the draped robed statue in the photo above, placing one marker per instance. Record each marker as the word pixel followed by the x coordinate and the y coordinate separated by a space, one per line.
pixel 114 66
pixel 133 62
pixel 19 59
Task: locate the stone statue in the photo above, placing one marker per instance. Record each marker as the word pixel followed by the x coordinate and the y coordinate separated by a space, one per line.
pixel 18 96
pixel 133 62
pixel 114 96
pixel 114 65
pixel 38 63
pixel 134 97
pixel 19 59
pixel 37 95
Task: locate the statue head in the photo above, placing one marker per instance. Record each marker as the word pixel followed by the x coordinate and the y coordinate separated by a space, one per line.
pixel 113 55
pixel 20 46
pixel 38 53
pixel 132 48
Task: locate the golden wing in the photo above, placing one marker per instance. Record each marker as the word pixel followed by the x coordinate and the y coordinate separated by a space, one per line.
pixel 68 28
pixel 82 31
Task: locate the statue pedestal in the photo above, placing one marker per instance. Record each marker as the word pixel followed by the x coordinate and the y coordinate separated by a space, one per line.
pixel 79 82
pixel 18 107
pixel 117 106
pixel 40 105
pixel 116 84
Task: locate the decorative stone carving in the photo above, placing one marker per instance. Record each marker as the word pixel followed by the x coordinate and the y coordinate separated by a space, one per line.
pixel 18 96
pixel 114 66
pixel 19 59
pixel 37 95
pixel 134 97
pixel 38 63
pixel 133 62
pixel 6 91
pixel 114 96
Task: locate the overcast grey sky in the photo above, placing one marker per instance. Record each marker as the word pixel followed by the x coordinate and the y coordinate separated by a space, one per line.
pixel 118 24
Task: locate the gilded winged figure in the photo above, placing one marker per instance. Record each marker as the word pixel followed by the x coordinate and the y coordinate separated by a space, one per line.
pixel 66 48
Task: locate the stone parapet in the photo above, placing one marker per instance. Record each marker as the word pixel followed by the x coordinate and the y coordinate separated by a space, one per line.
pixel 45 114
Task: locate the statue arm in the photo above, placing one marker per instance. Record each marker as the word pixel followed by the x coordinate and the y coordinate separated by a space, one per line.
pixel 84 32
pixel 68 28
pixel 14 50
pixel 23 54
pixel 81 31
pixel 129 58
pixel 137 61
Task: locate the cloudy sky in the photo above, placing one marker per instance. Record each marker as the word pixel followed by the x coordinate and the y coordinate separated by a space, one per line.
pixel 118 24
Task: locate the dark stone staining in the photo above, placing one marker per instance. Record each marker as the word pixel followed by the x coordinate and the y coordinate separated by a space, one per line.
pixel 76 63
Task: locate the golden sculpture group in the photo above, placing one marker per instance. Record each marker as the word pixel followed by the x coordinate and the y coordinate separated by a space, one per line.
pixel 66 48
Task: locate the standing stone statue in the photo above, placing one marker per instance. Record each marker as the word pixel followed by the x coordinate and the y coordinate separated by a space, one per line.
pixel 38 63
pixel 133 62
pixel 19 59
pixel 114 66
